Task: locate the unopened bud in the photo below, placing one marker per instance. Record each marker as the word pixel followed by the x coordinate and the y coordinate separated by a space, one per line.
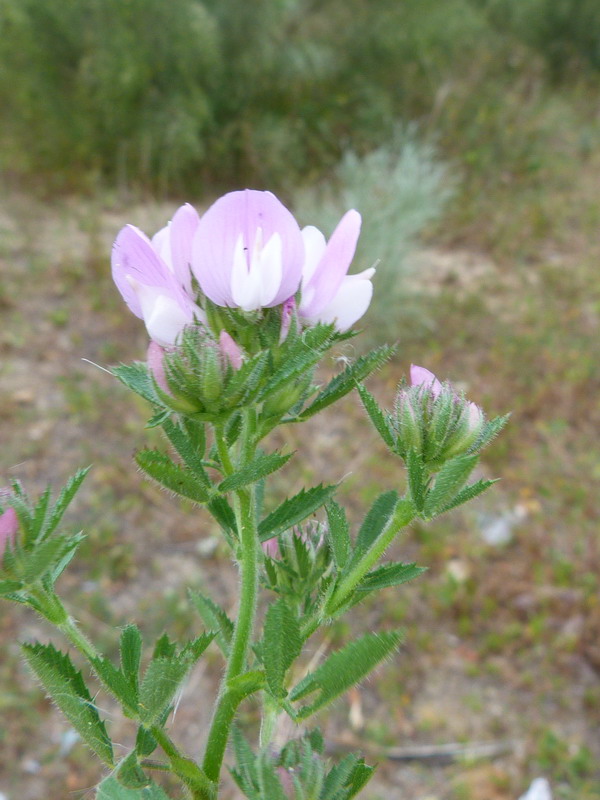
pixel 9 525
pixel 230 350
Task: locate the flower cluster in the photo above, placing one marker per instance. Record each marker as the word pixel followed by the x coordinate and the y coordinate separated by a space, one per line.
pixel 246 252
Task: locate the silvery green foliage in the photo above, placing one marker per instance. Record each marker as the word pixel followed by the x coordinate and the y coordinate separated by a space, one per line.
pixel 400 188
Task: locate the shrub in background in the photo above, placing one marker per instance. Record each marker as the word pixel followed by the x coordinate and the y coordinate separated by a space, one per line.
pixel 399 188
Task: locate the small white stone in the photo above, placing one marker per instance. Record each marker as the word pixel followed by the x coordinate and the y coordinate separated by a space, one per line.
pixel 539 790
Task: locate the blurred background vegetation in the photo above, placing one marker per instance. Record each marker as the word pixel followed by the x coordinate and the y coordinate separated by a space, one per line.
pixel 467 132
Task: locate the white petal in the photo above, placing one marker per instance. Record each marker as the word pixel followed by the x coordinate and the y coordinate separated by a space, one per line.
pixel 314 247
pixel 270 267
pixel 164 317
pixel 349 304
pixel 161 242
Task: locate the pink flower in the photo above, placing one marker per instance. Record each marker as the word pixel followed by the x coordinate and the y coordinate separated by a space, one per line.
pixel 154 276
pixel 9 525
pixel 248 251
pixel 329 294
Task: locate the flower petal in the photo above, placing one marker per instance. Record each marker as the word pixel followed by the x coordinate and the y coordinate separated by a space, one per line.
pixel 419 376
pixel 182 229
pixel 163 315
pixel 133 255
pixel 216 244
pixel 350 302
pixel 327 277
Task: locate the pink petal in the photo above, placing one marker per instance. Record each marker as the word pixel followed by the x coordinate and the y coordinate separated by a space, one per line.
pixel 333 266
pixel 243 214
pixel 419 376
pixel 133 255
pixel 182 229
pixel 9 525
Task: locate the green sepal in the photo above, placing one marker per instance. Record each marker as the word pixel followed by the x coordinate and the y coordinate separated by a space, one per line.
pixel 347 380
pixel 145 743
pixel 345 668
pixel 490 430
pixel 130 649
pixel 65 686
pixel 281 645
pixel 260 467
pixel 171 476
pixel 417 478
pixel 215 619
pixel 466 494
pixel 294 510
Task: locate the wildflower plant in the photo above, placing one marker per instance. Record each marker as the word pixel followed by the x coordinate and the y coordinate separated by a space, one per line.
pixel 241 306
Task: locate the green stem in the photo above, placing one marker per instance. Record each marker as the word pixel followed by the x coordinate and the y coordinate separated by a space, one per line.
pixel 404 514
pixel 228 701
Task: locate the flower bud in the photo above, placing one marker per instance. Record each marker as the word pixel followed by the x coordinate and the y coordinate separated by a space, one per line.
pixel 230 350
pixel 408 421
pixel 468 428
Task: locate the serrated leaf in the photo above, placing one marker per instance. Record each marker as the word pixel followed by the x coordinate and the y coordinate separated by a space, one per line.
pixel 163 676
pixel 187 448
pixel 111 789
pixel 294 510
pixel 345 668
pixel 282 644
pixel 116 683
pixel 215 619
pixel 224 515
pixel 46 555
pixel 63 501
pixel 39 514
pixel 448 482
pixel 377 520
pixel 347 380
pixel 378 418
pixel 171 476
pixel 346 779
pixel 65 686
pixel 137 378
pixel 389 575
pixel 339 533
pixel 268 780
pixel 300 358
pixel 9 587
pixel 130 649
pixel 466 494
pixel 130 774
pixel 259 468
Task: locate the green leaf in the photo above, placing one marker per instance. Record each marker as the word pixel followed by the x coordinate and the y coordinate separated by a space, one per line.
pixel 300 358
pixel 389 575
pixel 47 555
pixel 268 780
pixel 380 420
pixel 448 482
pixel 347 380
pixel 111 789
pixel 339 533
pixel 163 676
pixel 145 743
pixel 137 378
pixel 417 477
pixel 188 448
pixel 130 774
pixel 246 777
pixel 224 515
pixel 346 779
pixel 345 668
pixel 378 518
pixel 63 501
pixel 466 494
pixel 117 684
pixel 65 686
pixel 282 644
pixel 173 477
pixel 259 468
pixel 215 619
pixel 294 510
pixel 130 647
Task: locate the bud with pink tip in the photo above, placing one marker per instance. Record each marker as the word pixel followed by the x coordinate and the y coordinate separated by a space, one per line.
pixel 9 525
